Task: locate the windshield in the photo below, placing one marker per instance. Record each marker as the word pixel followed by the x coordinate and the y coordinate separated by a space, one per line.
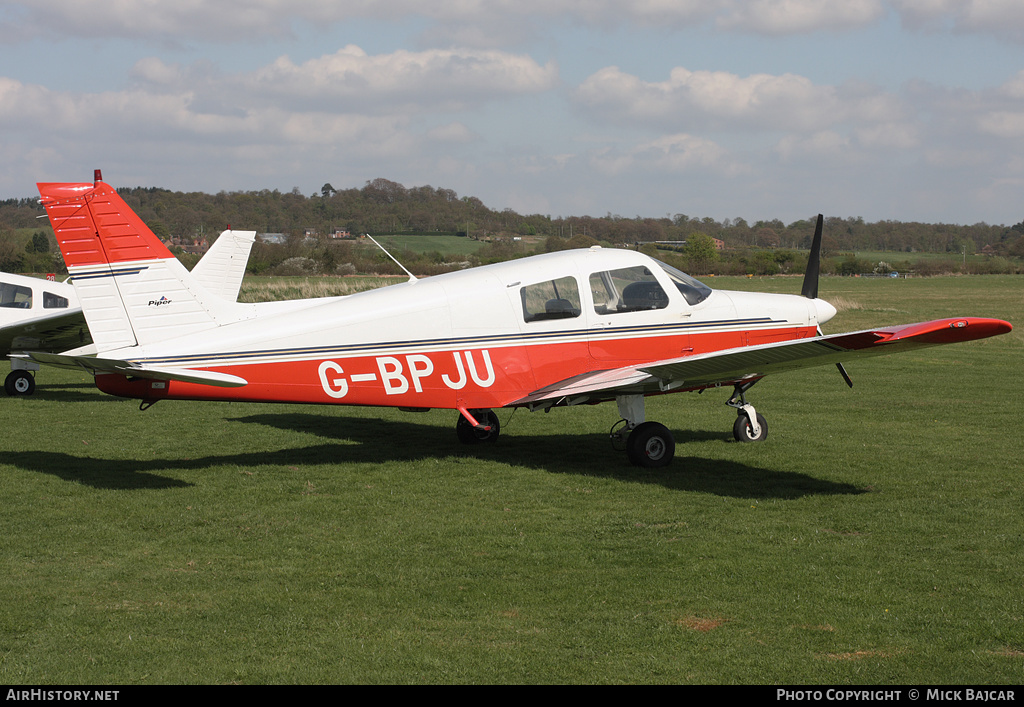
pixel 691 288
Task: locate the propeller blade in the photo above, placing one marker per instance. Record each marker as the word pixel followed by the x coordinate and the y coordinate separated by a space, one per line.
pixel 810 288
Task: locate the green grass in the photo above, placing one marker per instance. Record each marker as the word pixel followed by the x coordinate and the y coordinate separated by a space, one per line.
pixel 454 246
pixel 266 288
pixel 874 538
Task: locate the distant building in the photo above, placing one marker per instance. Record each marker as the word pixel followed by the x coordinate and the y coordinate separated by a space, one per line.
pixel 278 238
pixel 196 246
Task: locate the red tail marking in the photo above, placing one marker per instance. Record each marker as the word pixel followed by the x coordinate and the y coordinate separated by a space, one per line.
pixel 93 225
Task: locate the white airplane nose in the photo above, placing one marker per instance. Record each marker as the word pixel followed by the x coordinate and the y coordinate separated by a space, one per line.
pixel 824 309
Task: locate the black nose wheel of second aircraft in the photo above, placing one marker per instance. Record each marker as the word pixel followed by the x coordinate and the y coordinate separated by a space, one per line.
pixel 19 382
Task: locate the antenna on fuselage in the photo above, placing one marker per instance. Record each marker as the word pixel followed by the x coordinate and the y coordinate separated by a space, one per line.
pixel 412 278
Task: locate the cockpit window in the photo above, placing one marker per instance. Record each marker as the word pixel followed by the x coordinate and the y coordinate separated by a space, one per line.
pixel 15 296
pixel 551 299
pixel 691 288
pixel 52 301
pixel 626 290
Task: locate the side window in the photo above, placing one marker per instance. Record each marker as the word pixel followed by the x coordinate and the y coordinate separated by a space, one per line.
pixel 15 296
pixel 627 290
pixel 52 301
pixel 552 299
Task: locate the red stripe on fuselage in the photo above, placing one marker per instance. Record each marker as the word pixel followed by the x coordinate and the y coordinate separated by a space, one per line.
pixel 472 378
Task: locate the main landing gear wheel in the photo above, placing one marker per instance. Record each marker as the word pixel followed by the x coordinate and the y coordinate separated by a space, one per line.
pixel 19 382
pixel 650 445
pixel 743 431
pixel 475 435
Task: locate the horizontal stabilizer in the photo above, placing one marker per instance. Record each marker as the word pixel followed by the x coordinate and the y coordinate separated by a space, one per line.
pixel 97 366
pixel 222 269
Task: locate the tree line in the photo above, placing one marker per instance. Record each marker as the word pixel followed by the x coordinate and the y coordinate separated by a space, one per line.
pixel 382 206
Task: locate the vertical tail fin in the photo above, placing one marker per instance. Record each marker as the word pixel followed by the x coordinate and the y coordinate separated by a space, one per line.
pixel 132 289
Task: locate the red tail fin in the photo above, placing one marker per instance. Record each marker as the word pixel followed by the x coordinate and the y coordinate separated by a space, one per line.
pixel 93 225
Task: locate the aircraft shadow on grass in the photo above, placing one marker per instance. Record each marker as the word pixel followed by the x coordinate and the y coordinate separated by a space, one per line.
pixel 107 474
pixel 359 440
pixel 74 393
pixel 368 440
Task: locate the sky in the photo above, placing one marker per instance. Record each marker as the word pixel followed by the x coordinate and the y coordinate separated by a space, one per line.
pixel 907 110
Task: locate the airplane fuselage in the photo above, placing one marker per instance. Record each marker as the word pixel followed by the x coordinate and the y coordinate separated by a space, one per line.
pixel 479 338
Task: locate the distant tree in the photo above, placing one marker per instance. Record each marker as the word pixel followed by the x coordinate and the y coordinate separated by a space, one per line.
pixel 553 243
pixel 10 256
pixel 700 251
pixel 160 230
pixel 39 243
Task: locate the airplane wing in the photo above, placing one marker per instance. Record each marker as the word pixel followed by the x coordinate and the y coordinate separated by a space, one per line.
pixel 108 365
pixel 732 366
pixel 60 331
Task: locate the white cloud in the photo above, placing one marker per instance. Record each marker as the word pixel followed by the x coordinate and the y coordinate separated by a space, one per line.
pixel 719 100
pixel 432 78
pixel 999 18
pixel 782 17
pixel 1003 124
pixel 486 23
pixel 670 154
pixel 243 20
pixel 456 132
pixel 816 146
pixel 344 106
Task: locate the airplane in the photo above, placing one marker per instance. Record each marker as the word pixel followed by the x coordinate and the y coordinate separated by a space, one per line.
pixel 45 315
pixel 37 314
pixel 548 331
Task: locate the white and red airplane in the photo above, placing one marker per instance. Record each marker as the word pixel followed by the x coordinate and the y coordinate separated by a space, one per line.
pixel 44 315
pixel 560 329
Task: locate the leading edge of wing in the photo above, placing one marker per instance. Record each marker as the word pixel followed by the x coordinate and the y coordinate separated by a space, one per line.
pixel 761 360
pixel 98 366
pixel 749 362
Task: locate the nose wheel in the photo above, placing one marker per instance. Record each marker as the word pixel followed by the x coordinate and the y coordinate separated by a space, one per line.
pixel 750 425
pixel 744 431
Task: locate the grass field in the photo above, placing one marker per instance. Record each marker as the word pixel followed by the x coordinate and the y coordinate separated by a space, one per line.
pixel 453 246
pixel 874 538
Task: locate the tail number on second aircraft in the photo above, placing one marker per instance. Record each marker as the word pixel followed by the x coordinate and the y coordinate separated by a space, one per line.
pixel 397 377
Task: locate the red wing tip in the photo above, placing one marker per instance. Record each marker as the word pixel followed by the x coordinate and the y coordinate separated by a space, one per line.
pixel 951 330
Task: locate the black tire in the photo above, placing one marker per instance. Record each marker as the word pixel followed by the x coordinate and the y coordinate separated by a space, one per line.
pixel 471 435
pixel 650 445
pixel 19 383
pixel 742 431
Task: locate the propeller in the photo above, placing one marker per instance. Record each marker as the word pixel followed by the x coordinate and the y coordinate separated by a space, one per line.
pixel 810 286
